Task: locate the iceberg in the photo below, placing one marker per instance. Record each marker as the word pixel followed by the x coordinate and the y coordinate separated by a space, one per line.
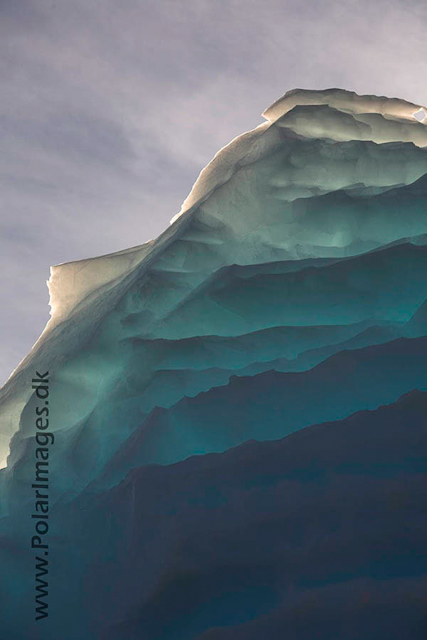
pixel 283 307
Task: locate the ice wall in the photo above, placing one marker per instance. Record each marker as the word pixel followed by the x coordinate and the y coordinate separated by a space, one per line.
pixel 289 290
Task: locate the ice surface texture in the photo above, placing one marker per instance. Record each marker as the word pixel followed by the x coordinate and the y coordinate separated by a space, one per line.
pixel 289 291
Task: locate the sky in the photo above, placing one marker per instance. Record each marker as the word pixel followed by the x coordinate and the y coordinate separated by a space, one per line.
pixel 109 110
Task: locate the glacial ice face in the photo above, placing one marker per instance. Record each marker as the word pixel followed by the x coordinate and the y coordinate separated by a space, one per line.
pixel 329 176
pixel 290 290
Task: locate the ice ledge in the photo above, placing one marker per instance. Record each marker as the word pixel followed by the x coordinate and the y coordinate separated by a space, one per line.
pixel 70 283
pixel 347 102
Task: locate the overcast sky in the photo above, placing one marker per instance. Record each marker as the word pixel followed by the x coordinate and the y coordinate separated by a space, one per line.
pixel 109 110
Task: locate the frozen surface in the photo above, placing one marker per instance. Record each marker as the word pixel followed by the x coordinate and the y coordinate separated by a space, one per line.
pixel 289 290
